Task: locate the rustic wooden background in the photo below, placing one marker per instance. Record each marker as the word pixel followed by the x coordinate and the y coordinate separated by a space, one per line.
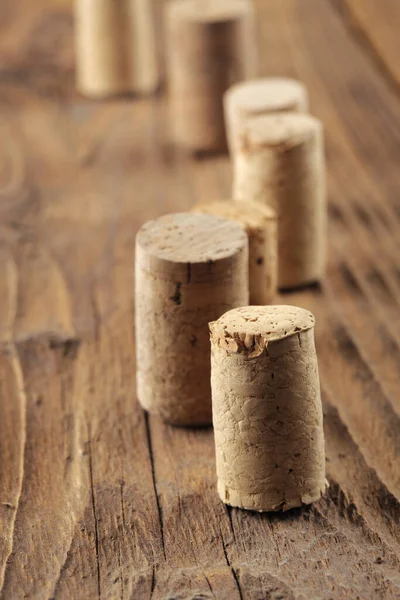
pixel 96 499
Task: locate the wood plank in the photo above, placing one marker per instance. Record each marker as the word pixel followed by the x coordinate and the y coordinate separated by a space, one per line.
pixel 106 502
pixel 374 24
pixel 36 47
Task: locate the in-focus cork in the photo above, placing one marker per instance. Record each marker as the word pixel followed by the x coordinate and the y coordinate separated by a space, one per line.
pixel 190 269
pixel 210 45
pixel 280 162
pixel 267 410
pixel 261 97
pixel 260 224
pixel 115 47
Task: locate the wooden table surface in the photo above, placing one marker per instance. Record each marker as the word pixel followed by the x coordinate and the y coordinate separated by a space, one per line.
pixel 97 500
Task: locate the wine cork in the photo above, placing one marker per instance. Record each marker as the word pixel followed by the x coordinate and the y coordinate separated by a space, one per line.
pixel 267 409
pixel 260 97
pixel 260 223
pixel 143 64
pixel 115 47
pixel 190 269
pixel 281 163
pixel 210 45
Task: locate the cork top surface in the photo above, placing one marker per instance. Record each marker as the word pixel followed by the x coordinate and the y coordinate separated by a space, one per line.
pixel 271 323
pixel 279 130
pixel 271 93
pixel 208 11
pixel 249 213
pixel 191 238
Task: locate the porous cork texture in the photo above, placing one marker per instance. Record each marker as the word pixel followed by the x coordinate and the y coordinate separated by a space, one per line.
pixel 267 410
pixel 281 163
pixel 190 269
pixel 210 44
pixel 115 47
pixel 260 223
pixel 261 97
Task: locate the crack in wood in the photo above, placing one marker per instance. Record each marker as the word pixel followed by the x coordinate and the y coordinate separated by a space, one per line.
pixel 271 528
pixel 228 510
pixel 56 586
pixel 153 581
pixel 151 455
pixel 93 502
pixel 235 576
pixel 209 584
pixel 122 503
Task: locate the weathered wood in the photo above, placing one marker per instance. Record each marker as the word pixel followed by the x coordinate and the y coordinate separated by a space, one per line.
pixel 97 500
pixel 371 23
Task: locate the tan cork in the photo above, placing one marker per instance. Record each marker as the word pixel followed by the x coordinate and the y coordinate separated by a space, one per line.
pixel 190 269
pixel 115 47
pixel 210 45
pixel 261 97
pixel 267 410
pixel 281 163
pixel 260 223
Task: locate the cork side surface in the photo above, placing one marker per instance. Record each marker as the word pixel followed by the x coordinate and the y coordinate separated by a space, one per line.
pixel 260 224
pixel 263 263
pixel 282 164
pixel 174 306
pixel 101 65
pixel 267 417
pixel 209 45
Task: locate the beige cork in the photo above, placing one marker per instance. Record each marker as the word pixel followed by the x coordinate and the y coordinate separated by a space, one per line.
pixel 260 223
pixel 267 410
pixel 261 97
pixel 210 45
pixel 190 269
pixel 115 47
pixel 281 163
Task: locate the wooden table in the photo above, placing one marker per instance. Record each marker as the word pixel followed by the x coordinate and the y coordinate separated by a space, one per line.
pixel 97 500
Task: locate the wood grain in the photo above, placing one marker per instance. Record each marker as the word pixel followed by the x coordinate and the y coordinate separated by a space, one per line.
pixel 371 23
pixel 98 500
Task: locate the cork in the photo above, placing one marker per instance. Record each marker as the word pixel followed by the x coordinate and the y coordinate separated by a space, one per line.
pixel 267 409
pixel 261 97
pixel 115 47
pixel 281 163
pixel 260 223
pixel 190 269
pixel 144 73
pixel 210 45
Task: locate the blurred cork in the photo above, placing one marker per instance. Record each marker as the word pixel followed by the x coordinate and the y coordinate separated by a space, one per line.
pixel 281 163
pixel 189 269
pixel 261 97
pixel 267 410
pixel 115 47
pixel 260 223
pixel 210 45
